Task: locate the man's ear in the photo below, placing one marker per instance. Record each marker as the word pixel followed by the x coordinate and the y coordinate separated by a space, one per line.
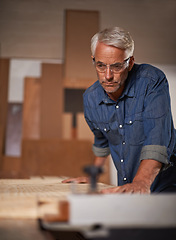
pixel 93 59
pixel 131 63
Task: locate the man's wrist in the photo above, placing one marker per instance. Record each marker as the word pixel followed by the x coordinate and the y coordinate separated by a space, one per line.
pixel 147 172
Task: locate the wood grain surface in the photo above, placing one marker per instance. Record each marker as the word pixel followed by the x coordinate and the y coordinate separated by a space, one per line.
pixel 35 197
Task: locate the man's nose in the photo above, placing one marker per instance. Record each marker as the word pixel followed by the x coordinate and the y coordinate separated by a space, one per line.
pixel 108 73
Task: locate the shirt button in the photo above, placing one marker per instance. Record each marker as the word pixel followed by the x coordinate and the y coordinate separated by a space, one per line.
pixel 130 122
pixel 121 160
pixel 123 143
pixel 105 129
pixel 117 106
pixel 120 126
pixel 124 179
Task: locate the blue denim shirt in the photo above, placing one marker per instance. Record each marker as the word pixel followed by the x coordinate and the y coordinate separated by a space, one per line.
pixel 137 126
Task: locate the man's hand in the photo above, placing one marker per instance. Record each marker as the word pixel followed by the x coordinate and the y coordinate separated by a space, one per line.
pixel 99 161
pixel 76 180
pixel 147 171
pixel 135 187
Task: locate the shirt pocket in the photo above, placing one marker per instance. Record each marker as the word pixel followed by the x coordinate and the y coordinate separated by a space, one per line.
pixel 109 131
pixel 134 129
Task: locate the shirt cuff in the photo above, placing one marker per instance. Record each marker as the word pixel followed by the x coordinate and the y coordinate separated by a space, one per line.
pixel 155 152
pixel 100 152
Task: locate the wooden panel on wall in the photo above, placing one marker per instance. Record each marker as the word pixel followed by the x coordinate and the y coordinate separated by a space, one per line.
pixel 80 27
pixel 51 100
pixel 14 130
pixel 4 77
pixel 54 157
pixel 67 125
pixel 83 130
pixel 31 109
pixel 10 167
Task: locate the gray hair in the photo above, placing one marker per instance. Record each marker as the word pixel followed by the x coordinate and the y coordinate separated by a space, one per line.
pixel 116 37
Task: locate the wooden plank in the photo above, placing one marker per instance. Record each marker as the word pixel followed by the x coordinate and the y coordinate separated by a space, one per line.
pixel 11 167
pixel 48 157
pixel 4 75
pixel 35 197
pixel 52 157
pixel 83 130
pixel 79 70
pixel 51 101
pixel 67 126
pixel 31 108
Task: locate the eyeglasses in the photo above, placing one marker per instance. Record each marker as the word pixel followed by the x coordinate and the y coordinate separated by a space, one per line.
pixel 115 68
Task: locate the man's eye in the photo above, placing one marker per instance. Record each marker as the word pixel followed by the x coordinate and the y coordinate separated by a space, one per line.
pixel 117 66
pixel 101 65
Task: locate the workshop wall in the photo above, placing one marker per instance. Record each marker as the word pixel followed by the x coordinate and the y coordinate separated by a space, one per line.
pixel 35 28
pixel 34 31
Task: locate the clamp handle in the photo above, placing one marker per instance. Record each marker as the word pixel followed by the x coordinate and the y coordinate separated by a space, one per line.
pixel 93 172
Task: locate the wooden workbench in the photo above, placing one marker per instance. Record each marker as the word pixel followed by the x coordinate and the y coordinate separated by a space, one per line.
pixel 30 198
pixel 23 201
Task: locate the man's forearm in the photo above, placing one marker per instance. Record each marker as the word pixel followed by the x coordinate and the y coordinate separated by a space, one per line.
pixel 99 161
pixel 147 171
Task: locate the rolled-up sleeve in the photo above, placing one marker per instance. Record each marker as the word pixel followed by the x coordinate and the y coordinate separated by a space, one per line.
pixel 101 152
pixel 155 152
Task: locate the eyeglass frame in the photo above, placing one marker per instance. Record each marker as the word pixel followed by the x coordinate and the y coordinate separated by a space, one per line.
pixel 111 65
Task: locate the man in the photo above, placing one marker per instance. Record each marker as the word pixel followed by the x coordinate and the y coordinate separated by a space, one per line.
pixel 128 110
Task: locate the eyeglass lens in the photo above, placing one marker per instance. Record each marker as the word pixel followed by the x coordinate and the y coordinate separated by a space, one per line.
pixel 116 67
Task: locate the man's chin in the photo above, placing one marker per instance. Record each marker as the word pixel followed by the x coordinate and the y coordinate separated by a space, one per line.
pixel 110 89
